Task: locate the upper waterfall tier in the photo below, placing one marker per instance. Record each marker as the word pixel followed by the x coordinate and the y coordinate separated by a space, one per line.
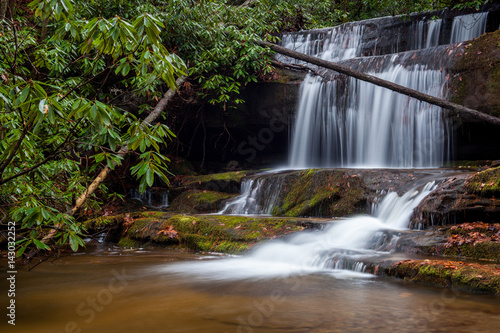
pixel 343 122
pixel 384 35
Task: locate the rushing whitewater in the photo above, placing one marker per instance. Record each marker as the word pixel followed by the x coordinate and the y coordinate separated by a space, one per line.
pixel 336 249
pixel 467 27
pixel 343 122
pixel 371 126
pixel 256 198
pixel 349 123
pixel 150 199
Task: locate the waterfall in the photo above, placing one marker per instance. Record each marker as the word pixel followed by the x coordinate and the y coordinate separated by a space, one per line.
pixel 258 197
pixel 434 31
pixel 341 246
pixel 356 124
pixel 424 34
pixel 344 122
pixel 467 27
pixel 334 44
pixel 151 199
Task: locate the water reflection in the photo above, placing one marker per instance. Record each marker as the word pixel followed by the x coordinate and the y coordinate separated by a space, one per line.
pixel 50 299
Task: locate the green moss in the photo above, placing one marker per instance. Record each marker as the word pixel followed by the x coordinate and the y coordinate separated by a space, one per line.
pixel 322 193
pixel 476 79
pixel 150 214
pixel 482 250
pixel 234 176
pixel 485 183
pixel 471 277
pixel 228 234
pixel 127 242
pixel 102 221
pixel 196 201
pixel 428 270
pixel 228 247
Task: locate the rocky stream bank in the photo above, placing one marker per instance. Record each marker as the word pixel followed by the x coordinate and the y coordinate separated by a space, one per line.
pixel 454 240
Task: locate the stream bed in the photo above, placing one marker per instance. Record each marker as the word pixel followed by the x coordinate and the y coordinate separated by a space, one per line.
pixel 109 289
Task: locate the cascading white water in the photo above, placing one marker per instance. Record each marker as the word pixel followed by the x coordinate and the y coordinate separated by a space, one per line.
pixel 257 197
pixel 341 246
pixel 344 122
pixel 424 34
pixel 334 44
pixel 369 126
pixel 467 27
pixel 433 33
pixel 149 199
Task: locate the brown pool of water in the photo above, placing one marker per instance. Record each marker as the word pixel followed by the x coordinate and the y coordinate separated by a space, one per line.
pixel 122 291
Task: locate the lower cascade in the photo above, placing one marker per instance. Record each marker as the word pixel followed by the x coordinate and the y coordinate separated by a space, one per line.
pixel 337 249
pixel 150 199
pixel 257 198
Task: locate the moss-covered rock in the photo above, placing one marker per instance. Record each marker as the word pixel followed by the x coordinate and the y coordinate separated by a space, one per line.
pixel 328 192
pixel 228 182
pixel 445 273
pixel 473 240
pixel 477 80
pixel 322 193
pixel 464 197
pixel 226 234
pixel 196 201
pixel 477 240
pixel 180 166
pixel 485 183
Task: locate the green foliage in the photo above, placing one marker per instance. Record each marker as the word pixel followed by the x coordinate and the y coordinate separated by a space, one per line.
pixel 65 65
pixel 58 120
pixel 216 39
pixel 476 4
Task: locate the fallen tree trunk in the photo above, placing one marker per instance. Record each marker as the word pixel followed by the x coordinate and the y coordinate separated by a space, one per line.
pixel 459 109
pixel 122 152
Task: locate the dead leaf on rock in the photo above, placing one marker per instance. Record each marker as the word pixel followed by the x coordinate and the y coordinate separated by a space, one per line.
pixel 169 231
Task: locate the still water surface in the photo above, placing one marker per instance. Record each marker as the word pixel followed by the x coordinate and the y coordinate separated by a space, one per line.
pixel 111 290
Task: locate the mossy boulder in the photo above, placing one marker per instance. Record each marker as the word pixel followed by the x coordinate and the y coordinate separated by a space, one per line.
pixel 445 273
pixel 227 182
pixel 464 197
pixel 476 83
pixel 196 201
pixel 485 183
pixel 98 223
pixel 476 240
pixel 322 193
pixel 473 241
pixel 226 234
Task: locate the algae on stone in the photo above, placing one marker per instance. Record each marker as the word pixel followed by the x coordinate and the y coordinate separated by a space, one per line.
pixel 485 183
pixel 319 192
pixel 477 84
pixel 226 234
pixel 445 273
pixel 196 201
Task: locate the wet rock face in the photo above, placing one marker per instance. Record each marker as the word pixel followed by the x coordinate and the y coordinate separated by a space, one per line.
pixel 461 198
pixel 476 84
pixel 255 135
pixel 312 193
